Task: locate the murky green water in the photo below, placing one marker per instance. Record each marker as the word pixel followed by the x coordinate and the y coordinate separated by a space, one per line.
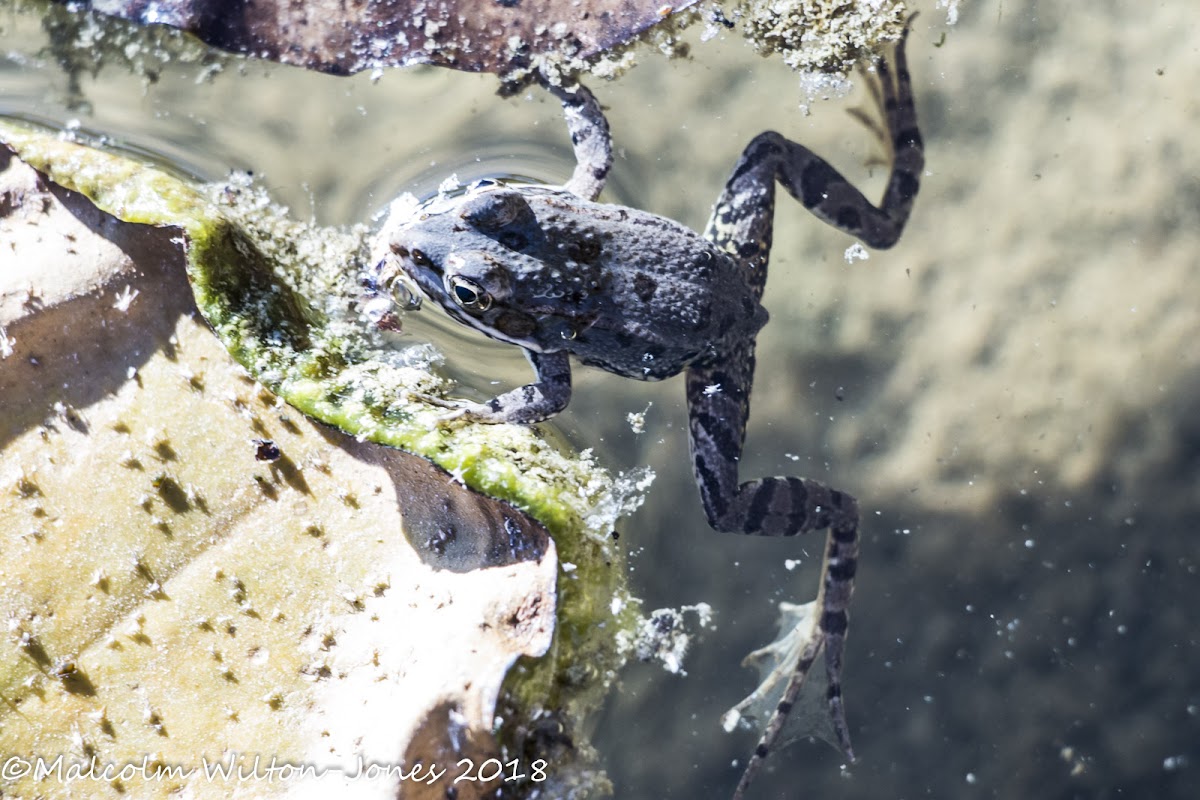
pixel 1010 392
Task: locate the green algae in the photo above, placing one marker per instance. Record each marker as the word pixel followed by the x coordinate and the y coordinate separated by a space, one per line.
pixel 256 276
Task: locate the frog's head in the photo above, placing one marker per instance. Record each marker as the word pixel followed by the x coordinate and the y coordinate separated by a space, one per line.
pixel 479 257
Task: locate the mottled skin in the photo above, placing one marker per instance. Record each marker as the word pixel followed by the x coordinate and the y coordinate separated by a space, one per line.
pixel 552 271
pixel 619 288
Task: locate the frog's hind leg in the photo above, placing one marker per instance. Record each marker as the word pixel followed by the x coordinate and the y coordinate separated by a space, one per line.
pixel 833 601
pixel 741 221
pixel 718 406
pixel 590 139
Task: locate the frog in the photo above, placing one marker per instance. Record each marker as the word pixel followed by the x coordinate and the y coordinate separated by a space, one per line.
pixel 554 271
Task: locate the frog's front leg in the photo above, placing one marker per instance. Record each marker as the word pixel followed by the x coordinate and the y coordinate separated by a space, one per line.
pixel 590 139
pixel 525 405
pixel 742 218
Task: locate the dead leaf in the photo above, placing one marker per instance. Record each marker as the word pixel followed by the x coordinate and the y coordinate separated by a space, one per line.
pixel 347 37
pixel 170 596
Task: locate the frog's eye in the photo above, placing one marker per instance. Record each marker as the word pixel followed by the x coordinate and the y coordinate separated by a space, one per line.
pixel 469 294
pixel 419 258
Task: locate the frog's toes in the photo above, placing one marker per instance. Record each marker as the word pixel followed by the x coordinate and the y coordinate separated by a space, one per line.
pixel 464 410
pixel 457 407
pixel 476 412
pixel 468 412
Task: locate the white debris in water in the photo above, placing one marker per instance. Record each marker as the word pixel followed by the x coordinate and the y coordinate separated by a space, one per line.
pixel 664 637
pixel 6 343
pixel 816 85
pixel 637 419
pixel 856 252
pixel 951 7
pixel 125 299
pixel 623 497
pixel 703 612
pixel 1172 763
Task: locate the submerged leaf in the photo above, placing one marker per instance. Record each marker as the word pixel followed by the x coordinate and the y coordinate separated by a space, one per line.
pixel 280 297
pixel 343 38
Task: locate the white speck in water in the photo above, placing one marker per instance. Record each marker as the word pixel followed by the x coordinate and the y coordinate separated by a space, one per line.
pixel 125 299
pixel 637 419
pixel 951 7
pixel 814 85
pixel 1172 763
pixel 856 252
pixel 971 778
pixel 1029 543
